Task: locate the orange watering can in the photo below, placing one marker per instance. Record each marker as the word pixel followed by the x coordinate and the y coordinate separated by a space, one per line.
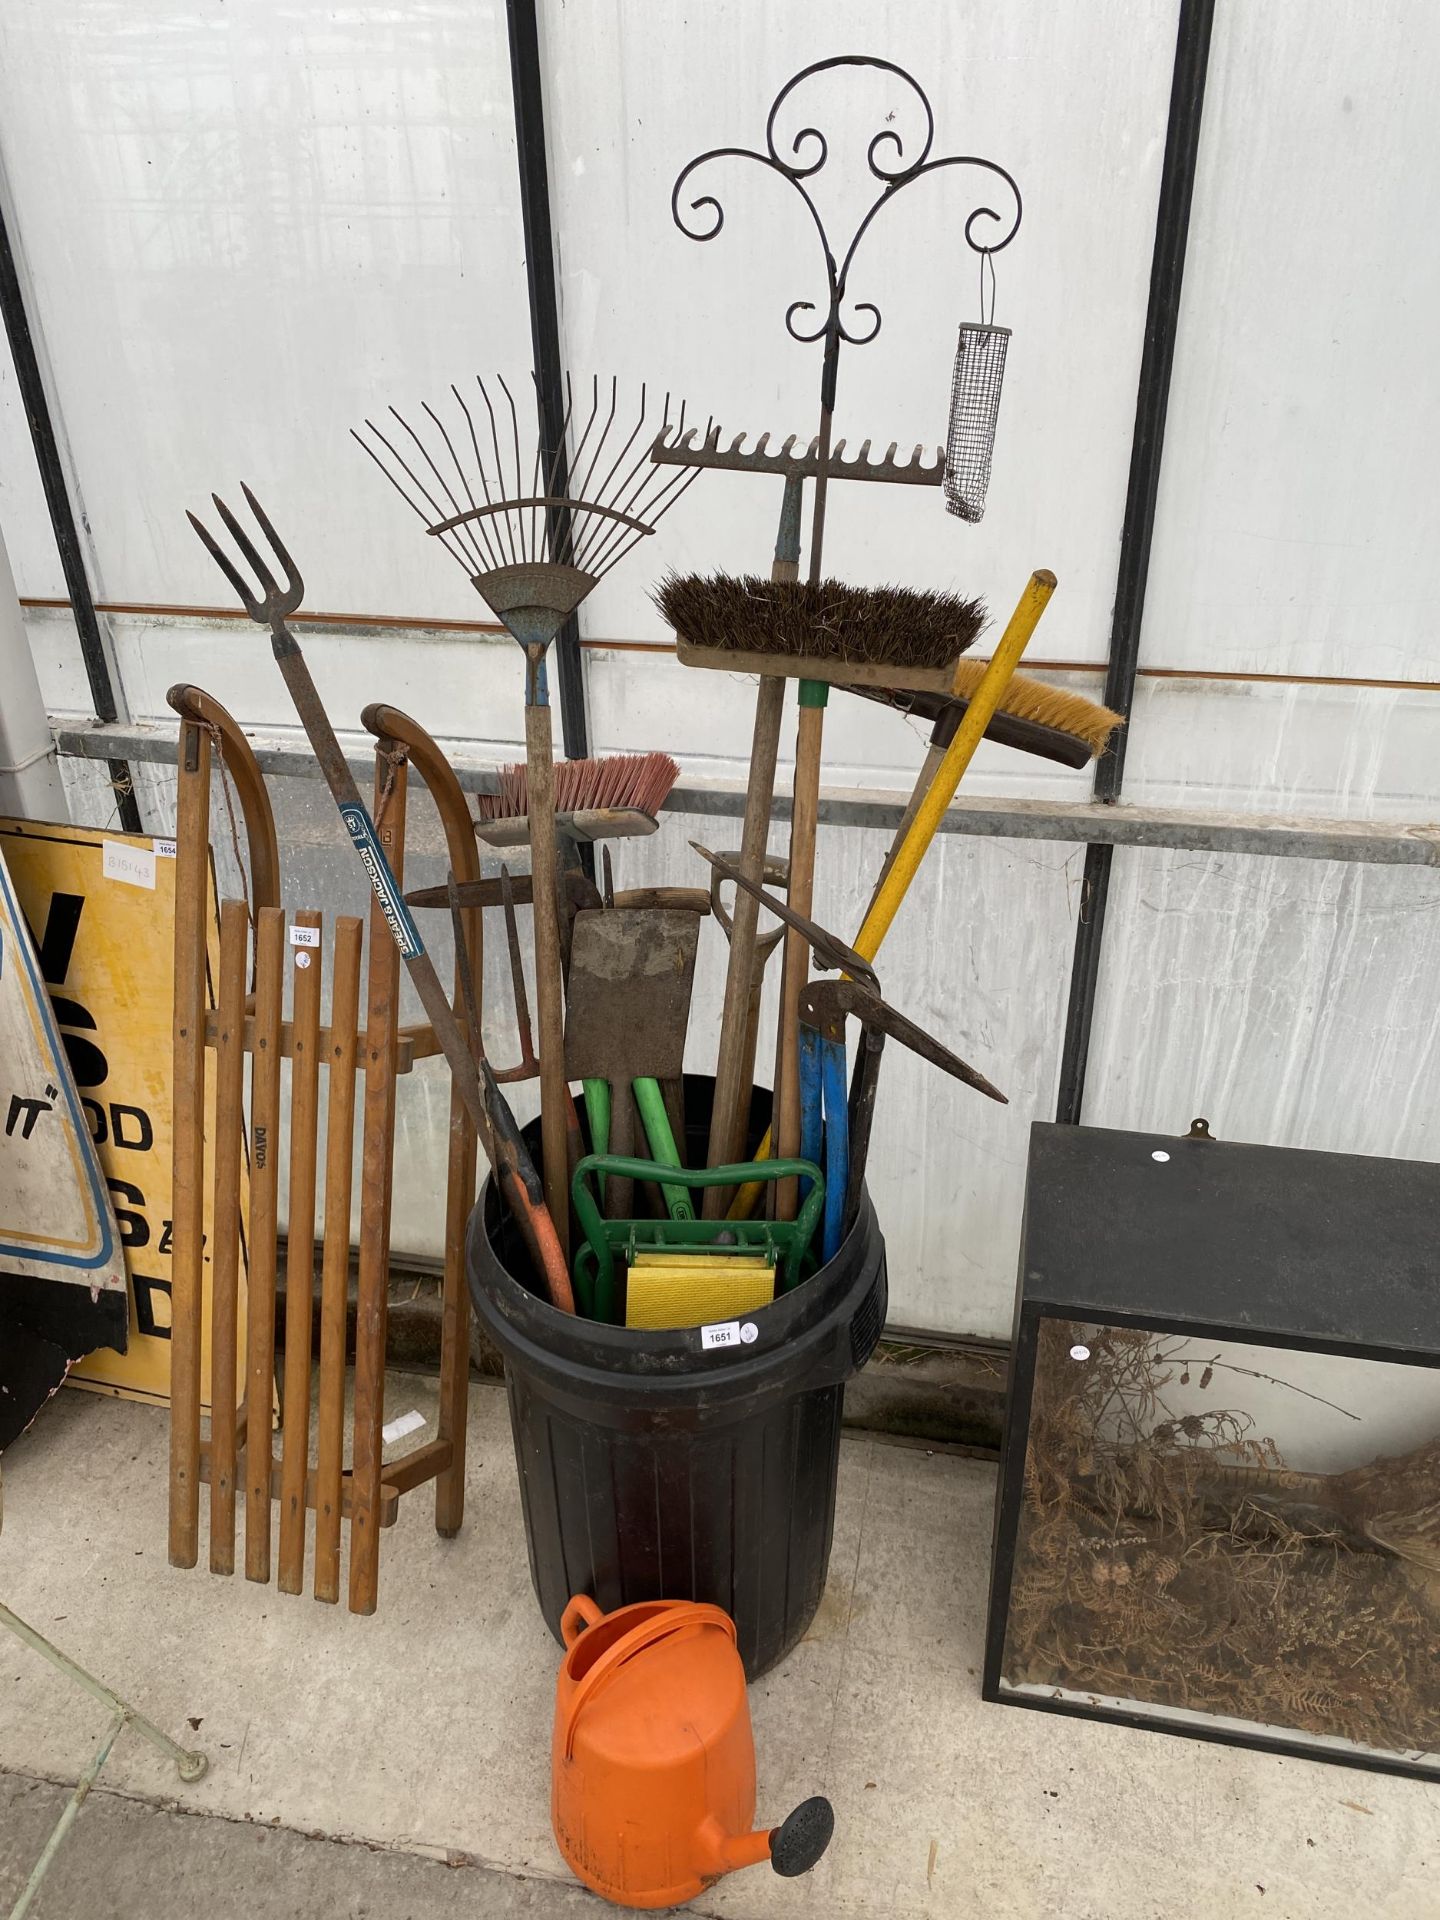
pixel 653 1761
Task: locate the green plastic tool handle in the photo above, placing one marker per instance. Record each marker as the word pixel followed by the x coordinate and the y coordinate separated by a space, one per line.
pixel 600 1303
pixel 656 1121
pixel 597 1112
pixel 651 1102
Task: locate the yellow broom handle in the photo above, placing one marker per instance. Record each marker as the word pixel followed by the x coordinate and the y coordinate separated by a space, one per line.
pixel 958 756
pixel 931 812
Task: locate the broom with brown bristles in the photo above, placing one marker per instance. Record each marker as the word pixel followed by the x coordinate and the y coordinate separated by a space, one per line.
pixel 822 633
pixel 898 638
pixel 889 644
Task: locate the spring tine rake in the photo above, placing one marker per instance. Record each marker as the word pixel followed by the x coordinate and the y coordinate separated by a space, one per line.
pixel 493 1122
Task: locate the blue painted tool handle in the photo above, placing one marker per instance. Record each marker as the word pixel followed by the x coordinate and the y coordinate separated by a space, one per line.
pixel 837 1144
pixel 364 839
pixel 810 1094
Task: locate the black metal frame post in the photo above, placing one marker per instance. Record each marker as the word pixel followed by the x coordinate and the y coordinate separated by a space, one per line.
pixel 1162 317
pixel 62 515
pixel 527 86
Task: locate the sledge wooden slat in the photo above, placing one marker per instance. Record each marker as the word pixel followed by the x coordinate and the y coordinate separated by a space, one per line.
pixel 418 1466
pixel 187 1208
pixel 305 977
pixel 373 1276
pixel 225 1260
pixel 340 1060
pixel 264 1207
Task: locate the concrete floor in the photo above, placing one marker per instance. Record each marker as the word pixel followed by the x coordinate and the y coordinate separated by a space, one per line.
pixel 421 1735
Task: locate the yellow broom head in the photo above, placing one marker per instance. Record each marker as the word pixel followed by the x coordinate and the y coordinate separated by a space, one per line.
pixel 1029 699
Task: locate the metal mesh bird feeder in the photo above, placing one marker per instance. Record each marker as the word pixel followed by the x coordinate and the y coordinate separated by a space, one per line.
pixel 974 409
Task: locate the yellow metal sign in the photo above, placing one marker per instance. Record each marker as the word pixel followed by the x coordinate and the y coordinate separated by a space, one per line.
pixel 56 1221
pixel 101 912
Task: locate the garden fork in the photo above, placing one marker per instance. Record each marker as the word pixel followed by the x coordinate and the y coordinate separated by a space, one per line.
pixel 484 1103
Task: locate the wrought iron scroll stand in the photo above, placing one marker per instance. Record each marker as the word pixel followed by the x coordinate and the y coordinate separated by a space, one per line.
pixel 820 461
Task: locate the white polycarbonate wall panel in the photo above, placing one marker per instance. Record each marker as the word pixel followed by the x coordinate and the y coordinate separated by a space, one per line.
pixel 248 226
pixel 1292 1002
pixel 1071 100
pixel 23 519
pixel 1327 752
pixel 1296 530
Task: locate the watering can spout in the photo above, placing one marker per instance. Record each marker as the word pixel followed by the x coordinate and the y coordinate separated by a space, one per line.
pixel 791 1848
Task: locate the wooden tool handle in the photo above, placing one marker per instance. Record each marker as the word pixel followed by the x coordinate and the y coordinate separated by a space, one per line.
pixel 732 1089
pixel 803 822
pixel 730 1113
pixel 923 781
pixel 549 992
pixel 620 1192
pixel 669 899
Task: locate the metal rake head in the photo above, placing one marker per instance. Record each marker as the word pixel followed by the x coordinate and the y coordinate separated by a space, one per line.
pixel 485 488
pixel 270 605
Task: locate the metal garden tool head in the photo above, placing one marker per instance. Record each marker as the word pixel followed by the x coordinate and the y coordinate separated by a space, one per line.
pixel 269 606
pixel 775 873
pixel 631 974
pixel 899 154
pixel 825 1006
pixel 829 950
pixel 533 532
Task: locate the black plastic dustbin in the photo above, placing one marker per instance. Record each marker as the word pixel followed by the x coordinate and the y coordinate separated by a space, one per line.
pixel 652 1467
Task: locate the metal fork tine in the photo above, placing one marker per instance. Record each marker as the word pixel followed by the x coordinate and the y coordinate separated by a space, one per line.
pixel 222 560
pixel 294 585
pixel 247 546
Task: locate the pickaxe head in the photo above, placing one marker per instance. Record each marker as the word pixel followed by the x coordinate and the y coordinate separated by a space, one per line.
pixel 828 949
pixel 825 1004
